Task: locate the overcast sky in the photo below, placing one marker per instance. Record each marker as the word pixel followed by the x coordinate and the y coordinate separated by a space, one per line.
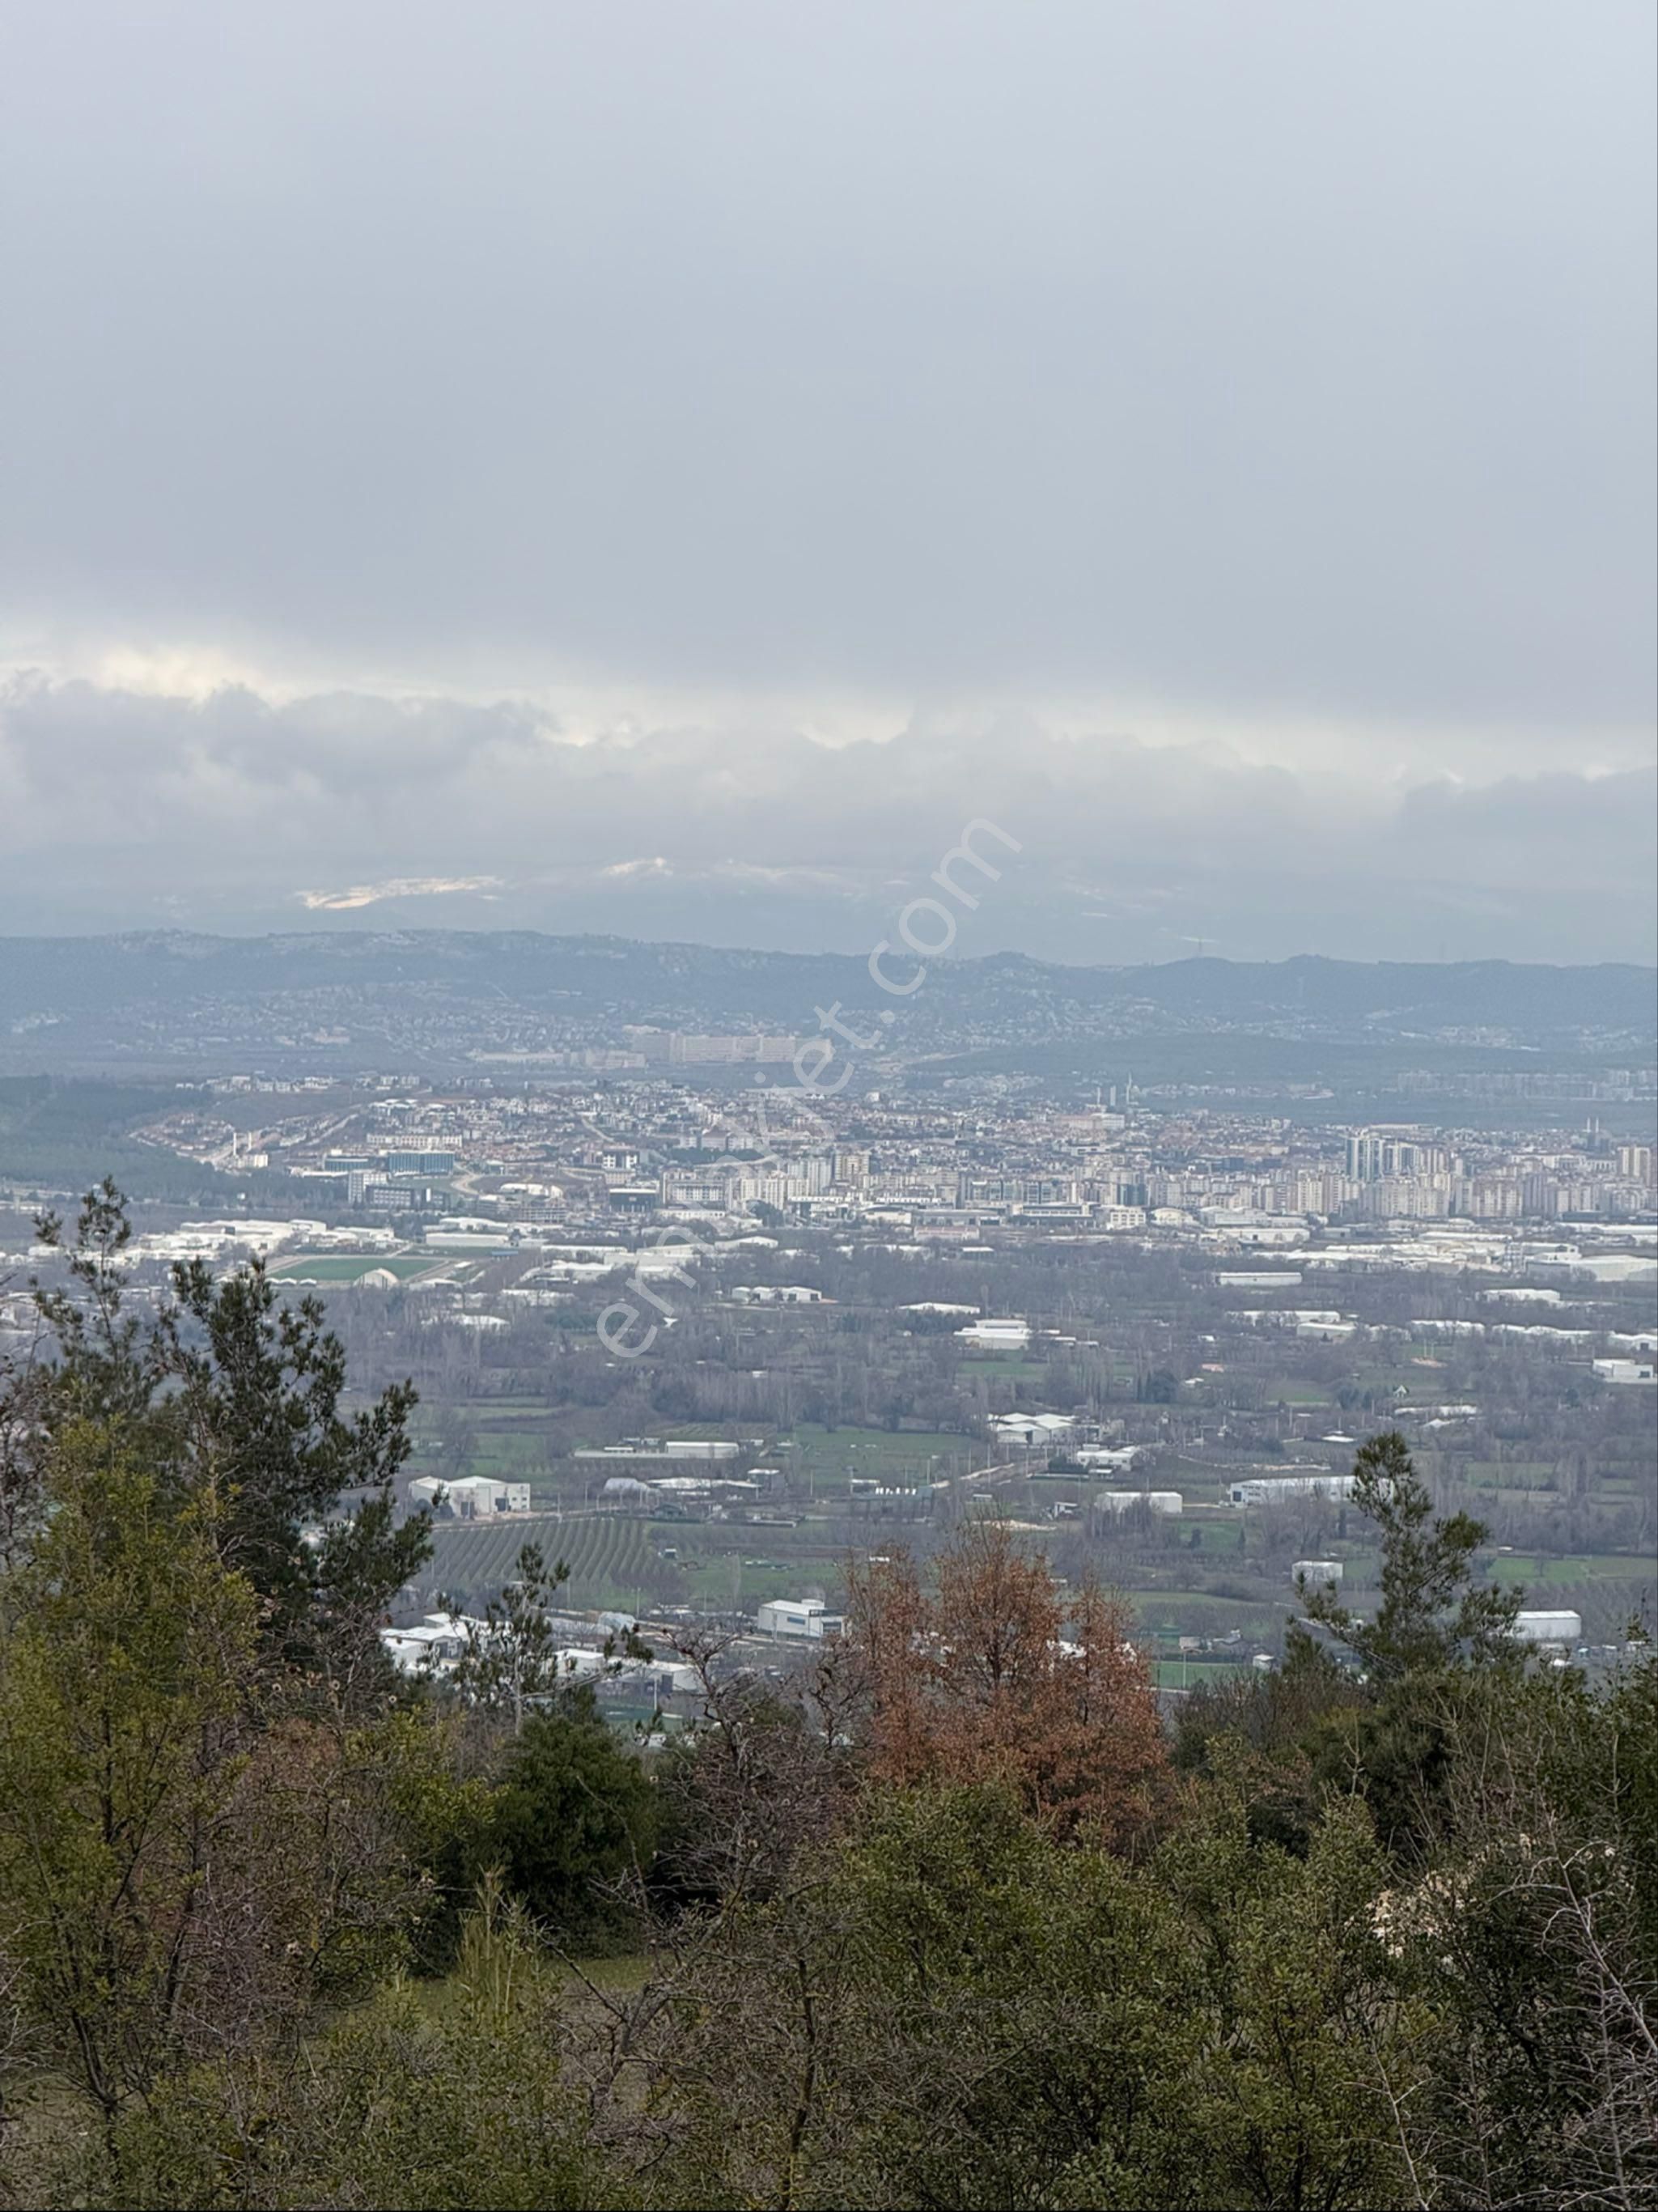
pixel 665 467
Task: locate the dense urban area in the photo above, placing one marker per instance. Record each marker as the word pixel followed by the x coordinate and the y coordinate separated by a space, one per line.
pixel 709 1313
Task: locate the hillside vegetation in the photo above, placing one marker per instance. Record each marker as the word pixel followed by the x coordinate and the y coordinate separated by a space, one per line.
pixel 951 1917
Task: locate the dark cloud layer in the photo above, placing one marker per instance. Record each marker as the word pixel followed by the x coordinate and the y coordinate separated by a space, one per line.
pixel 118 808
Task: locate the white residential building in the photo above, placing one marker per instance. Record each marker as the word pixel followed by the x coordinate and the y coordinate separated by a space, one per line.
pixel 1563 1626
pixel 1291 1489
pixel 433 1645
pixel 470 1497
pixel 1032 1428
pixel 995 1335
pixel 805 1619
pixel 659 1448
pixel 1627 1370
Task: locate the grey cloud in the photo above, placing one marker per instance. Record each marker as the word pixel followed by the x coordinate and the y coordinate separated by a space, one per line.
pixel 1013 386
pixel 1293 356
pixel 118 808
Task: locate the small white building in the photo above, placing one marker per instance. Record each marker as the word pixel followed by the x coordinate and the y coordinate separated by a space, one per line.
pixel 661 1448
pixel 1627 1370
pixel 1317 1574
pixel 995 1335
pixel 476 1496
pixel 1562 1627
pixel 1291 1489
pixel 803 1619
pixel 470 1497
pixel 432 1645
pixel 579 1662
pixel 625 1490
pixel 1168 1503
pixel 1032 1428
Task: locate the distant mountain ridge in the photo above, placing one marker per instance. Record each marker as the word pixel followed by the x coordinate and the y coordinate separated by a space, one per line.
pixel 46 982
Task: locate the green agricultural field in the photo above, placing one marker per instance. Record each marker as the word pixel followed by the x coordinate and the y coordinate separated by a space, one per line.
pixel 503 1451
pixel 510 1457
pixel 613 1559
pixel 1575 1567
pixel 1189 1673
pixel 1186 1613
pixel 1378 1379
pixel 1290 1390
pixel 833 1455
pixel 1008 1366
pixel 727 1582
pixel 659 1425
pixel 349 1266
pixel 1517 1475
pixel 1216 1537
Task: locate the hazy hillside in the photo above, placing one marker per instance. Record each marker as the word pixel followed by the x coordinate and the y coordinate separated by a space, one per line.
pixel 78 1000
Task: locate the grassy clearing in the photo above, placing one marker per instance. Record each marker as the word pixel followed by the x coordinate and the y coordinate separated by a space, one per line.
pixel 1188 1673
pixel 1575 1567
pixel 442 1994
pixel 1216 1538
pixel 832 1456
pixel 630 1970
pixel 349 1266
pixel 503 1451
pixel 691 1431
pixel 1186 1613
pixel 731 1581
pixel 1509 1473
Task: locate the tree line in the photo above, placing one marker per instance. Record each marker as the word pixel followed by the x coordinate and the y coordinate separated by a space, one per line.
pixel 954 1918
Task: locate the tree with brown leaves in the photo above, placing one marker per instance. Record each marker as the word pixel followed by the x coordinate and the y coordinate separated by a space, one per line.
pixel 997 1673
